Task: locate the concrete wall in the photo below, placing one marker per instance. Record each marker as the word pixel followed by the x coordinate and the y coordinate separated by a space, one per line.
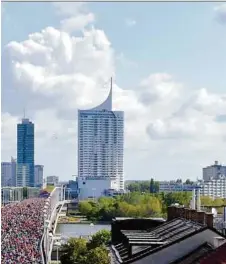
pixel 93 188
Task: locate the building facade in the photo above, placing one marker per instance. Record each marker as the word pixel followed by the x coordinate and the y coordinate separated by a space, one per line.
pixel 173 186
pixel 215 188
pixel 213 171
pixel 39 175
pixel 71 191
pixel 52 180
pixel 100 148
pixel 25 154
pixel 8 173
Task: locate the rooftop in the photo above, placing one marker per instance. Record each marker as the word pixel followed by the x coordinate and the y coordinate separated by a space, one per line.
pixel 184 227
pixel 149 241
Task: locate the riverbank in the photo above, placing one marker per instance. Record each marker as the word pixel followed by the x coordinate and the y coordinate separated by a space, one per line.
pixel 84 222
pixel 80 220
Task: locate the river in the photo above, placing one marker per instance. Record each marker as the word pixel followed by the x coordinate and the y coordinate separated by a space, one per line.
pixel 77 230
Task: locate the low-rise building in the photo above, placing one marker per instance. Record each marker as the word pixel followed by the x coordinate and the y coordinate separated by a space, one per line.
pixel 52 180
pixel 71 191
pixel 173 186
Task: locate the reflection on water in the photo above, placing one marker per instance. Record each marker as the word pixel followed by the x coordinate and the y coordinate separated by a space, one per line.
pixel 77 230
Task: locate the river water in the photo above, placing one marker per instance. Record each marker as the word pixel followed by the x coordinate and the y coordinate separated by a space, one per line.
pixel 77 230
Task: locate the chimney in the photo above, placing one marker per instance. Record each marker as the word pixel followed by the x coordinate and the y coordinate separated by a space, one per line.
pixel 189 214
pixel 209 220
pixel 186 213
pixel 193 215
pixel 200 217
pixel 171 212
pixel 182 212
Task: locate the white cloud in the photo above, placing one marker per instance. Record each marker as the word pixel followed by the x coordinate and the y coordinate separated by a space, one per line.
pixel 130 22
pixel 76 16
pixel 58 73
pixel 220 11
pixel 77 23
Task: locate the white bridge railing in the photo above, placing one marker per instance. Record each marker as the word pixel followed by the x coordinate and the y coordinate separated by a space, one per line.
pixel 50 214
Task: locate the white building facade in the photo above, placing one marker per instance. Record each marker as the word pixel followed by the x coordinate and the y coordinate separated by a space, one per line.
pixel 39 175
pixel 215 188
pixel 213 171
pixel 100 149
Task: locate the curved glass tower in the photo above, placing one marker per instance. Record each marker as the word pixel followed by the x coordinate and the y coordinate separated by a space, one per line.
pixel 100 147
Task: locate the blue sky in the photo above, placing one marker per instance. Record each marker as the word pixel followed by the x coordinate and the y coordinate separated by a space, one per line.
pixel 185 40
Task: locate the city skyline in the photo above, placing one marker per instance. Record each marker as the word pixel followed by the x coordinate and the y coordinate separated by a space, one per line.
pixel 167 61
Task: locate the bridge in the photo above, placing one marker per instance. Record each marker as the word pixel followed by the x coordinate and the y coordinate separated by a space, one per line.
pixel 52 209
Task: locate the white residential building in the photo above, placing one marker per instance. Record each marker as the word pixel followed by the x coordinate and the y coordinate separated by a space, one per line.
pixel 213 171
pixel 215 188
pixel 100 149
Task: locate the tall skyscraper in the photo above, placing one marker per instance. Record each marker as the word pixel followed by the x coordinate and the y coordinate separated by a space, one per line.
pixel 100 149
pixel 38 175
pixel 8 173
pixel 25 153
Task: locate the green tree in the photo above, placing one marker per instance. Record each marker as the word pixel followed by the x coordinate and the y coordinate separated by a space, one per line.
pixel 182 198
pixel 206 201
pixel 101 238
pixel 78 251
pixel 188 181
pixel 74 251
pixel 152 186
pixel 98 255
pixel 85 207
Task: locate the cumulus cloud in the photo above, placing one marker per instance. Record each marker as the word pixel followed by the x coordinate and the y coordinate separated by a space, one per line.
pixel 196 119
pixel 58 73
pixel 220 11
pixel 76 16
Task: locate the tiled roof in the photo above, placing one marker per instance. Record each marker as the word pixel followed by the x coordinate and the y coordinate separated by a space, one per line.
pixel 146 242
pixel 218 256
pixel 194 256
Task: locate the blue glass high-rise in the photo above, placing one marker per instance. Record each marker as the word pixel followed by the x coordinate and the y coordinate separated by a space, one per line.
pixel 25 153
